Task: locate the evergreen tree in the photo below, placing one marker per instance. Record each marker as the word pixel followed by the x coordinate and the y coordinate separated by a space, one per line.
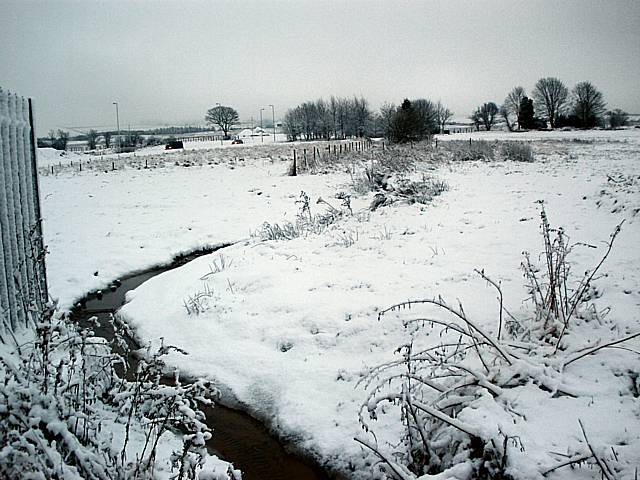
pixel 525 116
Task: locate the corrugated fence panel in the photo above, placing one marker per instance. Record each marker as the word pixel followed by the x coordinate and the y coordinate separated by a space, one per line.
pixel 22 274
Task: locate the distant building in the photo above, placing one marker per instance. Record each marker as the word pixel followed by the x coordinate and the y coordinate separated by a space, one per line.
pixel 253 132
pixel 77 146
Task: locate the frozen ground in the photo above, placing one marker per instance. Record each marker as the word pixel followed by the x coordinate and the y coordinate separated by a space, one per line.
pixel 289 326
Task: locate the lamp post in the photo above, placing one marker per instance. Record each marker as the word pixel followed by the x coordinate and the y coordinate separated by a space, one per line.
pixel 118 125
pixel 261 136
pixel 273 116
pixel 222 136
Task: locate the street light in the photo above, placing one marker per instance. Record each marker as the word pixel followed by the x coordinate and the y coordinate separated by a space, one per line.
pixel 118 125
pixel 261 136
pixel 273 115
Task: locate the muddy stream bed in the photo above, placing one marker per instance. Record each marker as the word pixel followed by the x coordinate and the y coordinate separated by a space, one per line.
pixel 237 437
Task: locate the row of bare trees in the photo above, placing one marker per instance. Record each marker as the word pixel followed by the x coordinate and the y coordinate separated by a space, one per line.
pixel 336 118
pixel 551 102
pixel 340 118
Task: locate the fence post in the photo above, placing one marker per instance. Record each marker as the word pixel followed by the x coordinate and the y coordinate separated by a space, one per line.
pixel 22 271
pixel 35 192
pixel 7 233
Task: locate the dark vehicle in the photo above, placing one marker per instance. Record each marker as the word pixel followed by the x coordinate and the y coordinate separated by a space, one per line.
pixel 237 141
pixel 173 145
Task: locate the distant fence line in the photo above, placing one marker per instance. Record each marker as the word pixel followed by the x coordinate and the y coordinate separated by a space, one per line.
pixel 22 271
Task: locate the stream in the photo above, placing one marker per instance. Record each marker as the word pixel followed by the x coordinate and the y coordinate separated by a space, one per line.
pixel 237 437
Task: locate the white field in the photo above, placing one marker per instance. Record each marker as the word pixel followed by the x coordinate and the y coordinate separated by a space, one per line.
pixel 291 325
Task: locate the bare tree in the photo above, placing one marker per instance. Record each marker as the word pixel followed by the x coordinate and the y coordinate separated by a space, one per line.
pixel 387 111
pixel 443 115
pixel 60 143
pixel 333 107
pixel 223 117
pixel 476 119
pixel 337 118
pixel 485 114
pixel 512 104
pixel 292 124
pixel 504 113
pixel 617 118
pixel 426 117
pixel 361 115
pixel 92 137
pixel 550 97
pixel 588 104
pixel 107 139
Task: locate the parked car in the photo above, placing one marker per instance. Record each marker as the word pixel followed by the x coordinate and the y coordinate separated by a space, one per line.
pixel 237 141
pixel 173 145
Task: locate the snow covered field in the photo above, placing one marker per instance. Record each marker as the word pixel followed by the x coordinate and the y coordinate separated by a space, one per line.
pixel 288 327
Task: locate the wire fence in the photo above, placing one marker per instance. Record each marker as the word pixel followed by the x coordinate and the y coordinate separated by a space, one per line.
pixel 23 282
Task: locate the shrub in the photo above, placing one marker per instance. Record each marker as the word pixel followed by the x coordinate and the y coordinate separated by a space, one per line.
pixel 420 191
pixel 468 151
pixel 306 222
pixel 61 397
pixel 516 151
pixel 432 384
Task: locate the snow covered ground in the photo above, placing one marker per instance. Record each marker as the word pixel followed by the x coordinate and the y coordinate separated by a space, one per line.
pixel 49 156
pixel 289 326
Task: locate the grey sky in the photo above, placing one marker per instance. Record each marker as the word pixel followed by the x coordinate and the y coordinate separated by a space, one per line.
pixel 169 61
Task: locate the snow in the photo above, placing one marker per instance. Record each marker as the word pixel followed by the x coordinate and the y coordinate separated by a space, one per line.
pixel 49 156
pixel 291 325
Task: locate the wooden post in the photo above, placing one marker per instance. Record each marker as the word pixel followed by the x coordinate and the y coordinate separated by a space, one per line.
pixel 469 142
pixel 51 169
pixel 113 166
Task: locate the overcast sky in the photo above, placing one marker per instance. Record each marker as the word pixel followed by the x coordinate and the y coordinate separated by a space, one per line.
pixel 167 62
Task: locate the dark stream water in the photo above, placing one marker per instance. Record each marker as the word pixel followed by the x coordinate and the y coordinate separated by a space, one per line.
pixel 237 437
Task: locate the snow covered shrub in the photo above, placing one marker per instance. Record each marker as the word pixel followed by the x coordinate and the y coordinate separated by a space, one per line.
pixel 419 191
pixel 66 413
pixel 369 180
pixel 459 389
pixel 379 168
pixel 516 151
pixel 464 151
pixel 306 222
pixel 556 295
